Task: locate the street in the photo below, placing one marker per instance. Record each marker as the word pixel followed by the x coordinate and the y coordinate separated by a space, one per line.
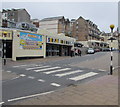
pixel 33 78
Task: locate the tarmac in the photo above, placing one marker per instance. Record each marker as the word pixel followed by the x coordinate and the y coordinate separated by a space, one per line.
pixel 99 91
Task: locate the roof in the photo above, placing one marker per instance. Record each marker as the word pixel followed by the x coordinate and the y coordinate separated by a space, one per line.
pixel 52 18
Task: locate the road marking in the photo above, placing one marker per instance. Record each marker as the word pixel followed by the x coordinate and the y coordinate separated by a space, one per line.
pixel 102 70
pixel 31 77
pixel 30 96
pixel 46 69
pixel 41 80
pixel 68 73
pixel 1 103
pixel 83 76
pixel 37 67
pixel 15 78
pixel 57 70
pixel 22 75
pixel 8 71
pixel 19 66
pixel 55 84
pixel 23 65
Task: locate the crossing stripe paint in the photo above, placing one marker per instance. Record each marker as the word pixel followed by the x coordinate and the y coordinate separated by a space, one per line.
pixel 1 103
pixel 83 76
pixel 46 69
pixel 22 75
pixel 68 73
pixel 31 77
pixel 37 67
pixel 55 84
pixel 49 72
pixel 19 66
pixel 23 65
pixel 8 71
pixel 41 80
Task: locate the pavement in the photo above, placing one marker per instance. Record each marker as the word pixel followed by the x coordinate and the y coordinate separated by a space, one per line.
pixel 100 91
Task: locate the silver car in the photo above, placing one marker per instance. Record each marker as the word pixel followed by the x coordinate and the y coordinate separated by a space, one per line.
pixel 90 51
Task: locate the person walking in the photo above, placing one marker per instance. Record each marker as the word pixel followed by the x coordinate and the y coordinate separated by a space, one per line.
pixel 72 51
pixel 79 52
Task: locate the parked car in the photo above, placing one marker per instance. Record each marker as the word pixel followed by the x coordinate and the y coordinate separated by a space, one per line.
pixel 90 51
pixel 97 50
pixel 106 49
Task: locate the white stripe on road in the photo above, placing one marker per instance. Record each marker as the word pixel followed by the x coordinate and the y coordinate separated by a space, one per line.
pixel 57 70
pixel 8 71
pixel 37 67
pixel 83 76
pixel 19 66
pixel 55 84
pixel 46 69
pixel 30 96
pixel 68 73
pixel 23 65
pixel 15 78
pixel 31 77
pixel 101 70
pixel 1 103
pixel 22 75
pixel 41 80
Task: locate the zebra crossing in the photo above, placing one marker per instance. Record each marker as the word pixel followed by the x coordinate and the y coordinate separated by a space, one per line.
pixel 57 71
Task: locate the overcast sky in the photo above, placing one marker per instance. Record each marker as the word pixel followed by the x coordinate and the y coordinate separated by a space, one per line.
pixel 101 13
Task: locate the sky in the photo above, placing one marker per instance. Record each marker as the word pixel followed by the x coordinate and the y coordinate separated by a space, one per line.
pixel 102 14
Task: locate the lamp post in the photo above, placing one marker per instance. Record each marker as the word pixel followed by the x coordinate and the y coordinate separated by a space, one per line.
pixel 111 38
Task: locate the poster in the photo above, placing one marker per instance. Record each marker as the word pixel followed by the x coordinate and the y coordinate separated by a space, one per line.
pixel 30 41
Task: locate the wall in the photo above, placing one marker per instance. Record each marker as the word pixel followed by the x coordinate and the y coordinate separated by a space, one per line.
pixel 51 26
pixel 18 52
pixel 23 16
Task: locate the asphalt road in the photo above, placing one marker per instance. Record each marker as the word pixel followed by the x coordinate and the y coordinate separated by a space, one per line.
pixel 40 78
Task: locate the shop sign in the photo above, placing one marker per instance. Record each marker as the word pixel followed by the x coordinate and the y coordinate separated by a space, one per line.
pixel 6 35
pixel 58 41
pixel 30 41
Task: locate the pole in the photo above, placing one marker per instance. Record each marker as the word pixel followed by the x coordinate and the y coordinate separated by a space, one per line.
pixel 111 64
pixel 4 51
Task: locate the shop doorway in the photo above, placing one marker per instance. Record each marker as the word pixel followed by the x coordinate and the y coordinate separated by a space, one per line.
pixel 8 48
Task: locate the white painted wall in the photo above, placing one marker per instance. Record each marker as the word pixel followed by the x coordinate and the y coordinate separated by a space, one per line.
pixel 17 52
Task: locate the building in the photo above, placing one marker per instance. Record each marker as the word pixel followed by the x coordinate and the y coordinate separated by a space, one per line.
pixel 0 19
pixel 27 44
pixel 86 32
pixel 55 25
pixel 35 22
pixel 57 44
pixel 14 16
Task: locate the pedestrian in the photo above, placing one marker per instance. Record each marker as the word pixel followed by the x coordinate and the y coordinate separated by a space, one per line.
pixel 79 52
pixel 76 52
pixel 72 51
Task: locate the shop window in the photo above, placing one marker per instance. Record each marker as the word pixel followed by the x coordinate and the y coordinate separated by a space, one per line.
pixel 61 41
pixel 48 39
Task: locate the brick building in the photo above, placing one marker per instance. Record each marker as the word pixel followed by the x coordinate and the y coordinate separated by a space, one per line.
pixel 35 22
pixel 86 32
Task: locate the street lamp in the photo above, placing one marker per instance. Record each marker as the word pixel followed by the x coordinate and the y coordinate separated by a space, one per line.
pixel 111 38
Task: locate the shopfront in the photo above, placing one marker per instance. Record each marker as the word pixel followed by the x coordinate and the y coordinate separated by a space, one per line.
pixel 17 44
pixel 56 46
pixel 6 43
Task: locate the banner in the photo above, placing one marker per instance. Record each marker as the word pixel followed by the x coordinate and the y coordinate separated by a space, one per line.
pixel 30 41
